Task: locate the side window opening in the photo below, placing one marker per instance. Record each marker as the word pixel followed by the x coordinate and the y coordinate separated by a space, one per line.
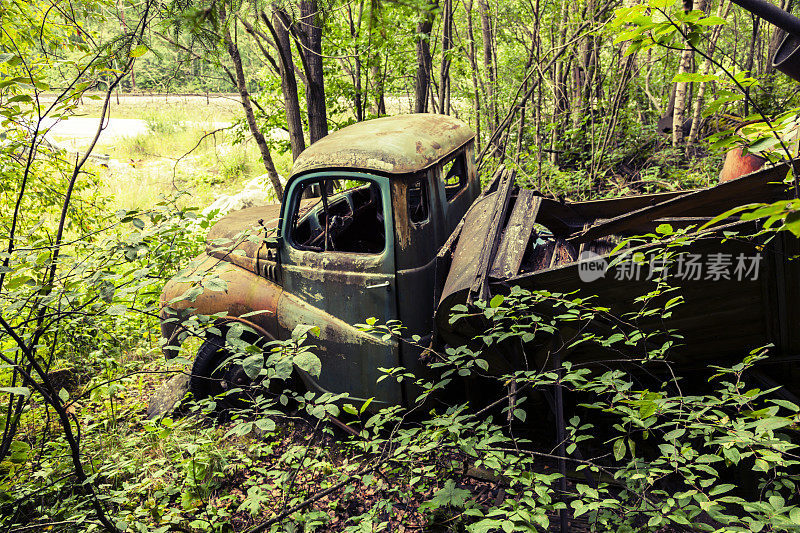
pixel 418 211
pixel 348 219
pixel 454 175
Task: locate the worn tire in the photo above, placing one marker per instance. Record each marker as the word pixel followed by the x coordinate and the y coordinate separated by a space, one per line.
pixel 212 374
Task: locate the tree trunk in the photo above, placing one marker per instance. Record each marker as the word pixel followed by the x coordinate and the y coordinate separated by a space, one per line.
pixel 423 79
pixel 560 70
pixel 241 85
pixel 681 90
pixel 488 65
pixel 291 102
pixel 447 44
pixel 749 65
pixel 722 11
pixel 311 39
pixel 376 71
pixel 355 31
pixel 476 95
pixel 776 38
pixel 121 9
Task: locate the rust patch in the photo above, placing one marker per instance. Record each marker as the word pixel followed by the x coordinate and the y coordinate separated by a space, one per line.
pixel 243 293
pixel 402 225
pixel 409 143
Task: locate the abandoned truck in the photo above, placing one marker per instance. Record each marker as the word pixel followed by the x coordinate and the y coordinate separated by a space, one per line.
pixel 402 231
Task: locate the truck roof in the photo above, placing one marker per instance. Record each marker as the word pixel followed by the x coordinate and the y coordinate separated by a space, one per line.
pixel 401 144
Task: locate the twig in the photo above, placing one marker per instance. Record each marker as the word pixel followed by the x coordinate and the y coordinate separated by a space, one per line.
pixel 175 166
pixel 309 501
pixel 41 526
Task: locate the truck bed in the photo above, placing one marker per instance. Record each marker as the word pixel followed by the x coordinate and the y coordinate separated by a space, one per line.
pixel 521 238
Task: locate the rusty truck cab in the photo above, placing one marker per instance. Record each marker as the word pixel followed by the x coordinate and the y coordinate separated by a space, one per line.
pixel 406 182
pixel 393 190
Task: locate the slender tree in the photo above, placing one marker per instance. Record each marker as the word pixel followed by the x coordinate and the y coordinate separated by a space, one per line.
pixel 423 76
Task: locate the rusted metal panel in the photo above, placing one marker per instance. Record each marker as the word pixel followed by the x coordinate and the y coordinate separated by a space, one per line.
pixel 479 289
pixel 338 347
pixel 336 289
pixel 717 317
pixel 737 164
pixel 464 267
pixel 516 235
pixel 243 293
pixel 763 186
pixel 397 145
pixel 237 236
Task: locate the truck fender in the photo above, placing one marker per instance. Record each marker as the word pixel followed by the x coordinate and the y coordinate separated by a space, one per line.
pixel 243 292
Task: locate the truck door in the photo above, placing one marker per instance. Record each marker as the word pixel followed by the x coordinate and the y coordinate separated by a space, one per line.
pixel 338 270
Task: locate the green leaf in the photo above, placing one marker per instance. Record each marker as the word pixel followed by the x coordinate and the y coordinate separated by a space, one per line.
pixel 252 365
pixel 215 284
pixel 772 423
pixel 63 395
pixel 19 391
pixel 139 51
pixel 647 409
pixel 309 362
pixel 302 330
pixel 19 452
pixel 117 310
pixel 732 455
pixel 712 20
pixel 365 406
pixel 19 98
pixel 520 414
pixel 619 449
pixel 793 223
pixel 763 143
pixel 760 465
pixel 720 489
pixel 448 495
pixel 265 424
pixel 497 301
pixel 786 404
pixel 660 4
pixel 665 229
pixel 694 77
pixel 727 214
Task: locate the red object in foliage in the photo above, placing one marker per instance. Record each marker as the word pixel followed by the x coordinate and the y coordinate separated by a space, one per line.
pixel 738 163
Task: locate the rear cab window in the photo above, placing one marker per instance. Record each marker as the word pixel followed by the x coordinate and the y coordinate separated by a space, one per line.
pixel 418 201
pixel 454 175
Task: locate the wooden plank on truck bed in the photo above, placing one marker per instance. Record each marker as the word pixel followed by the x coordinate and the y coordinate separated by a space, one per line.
pixel 516 236
pixel 479 290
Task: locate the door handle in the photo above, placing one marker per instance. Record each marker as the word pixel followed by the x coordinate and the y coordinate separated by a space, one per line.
pixel 379 285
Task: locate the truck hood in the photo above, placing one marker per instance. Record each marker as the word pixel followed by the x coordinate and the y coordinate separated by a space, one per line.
pixel 238 236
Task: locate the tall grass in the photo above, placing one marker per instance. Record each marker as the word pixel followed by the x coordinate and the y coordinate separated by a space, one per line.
pixel 179 152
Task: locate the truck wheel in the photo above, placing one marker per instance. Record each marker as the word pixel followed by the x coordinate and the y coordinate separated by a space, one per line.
pixel 215 371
